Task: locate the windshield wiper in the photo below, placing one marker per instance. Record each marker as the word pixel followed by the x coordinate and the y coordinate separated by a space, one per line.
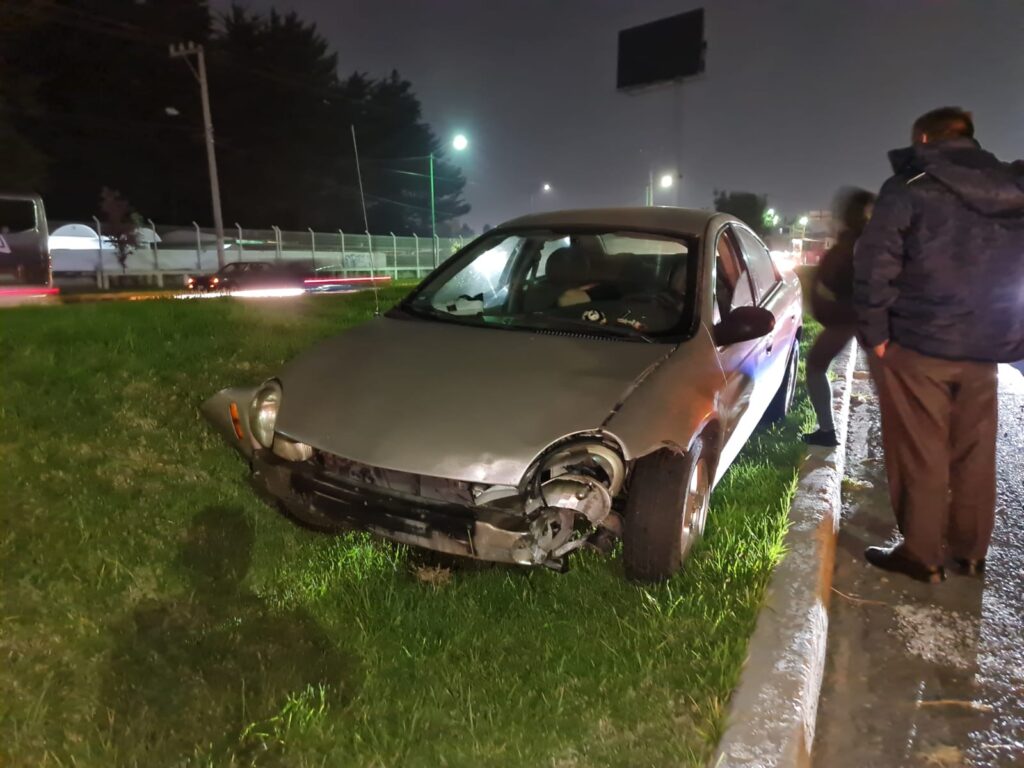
pixel 598 329
pixel 430 312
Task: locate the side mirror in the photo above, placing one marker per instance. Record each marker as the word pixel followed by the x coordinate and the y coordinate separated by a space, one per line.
pixel 744 324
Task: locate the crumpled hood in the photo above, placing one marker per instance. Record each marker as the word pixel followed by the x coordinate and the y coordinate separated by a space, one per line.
pixel 443 400
pixel 977 177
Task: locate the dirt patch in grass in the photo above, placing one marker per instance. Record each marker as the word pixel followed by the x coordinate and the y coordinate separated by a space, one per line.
pixel 156 613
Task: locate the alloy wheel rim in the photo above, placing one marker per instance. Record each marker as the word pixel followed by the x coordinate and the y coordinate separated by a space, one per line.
pixel 791 386
pixel 695 508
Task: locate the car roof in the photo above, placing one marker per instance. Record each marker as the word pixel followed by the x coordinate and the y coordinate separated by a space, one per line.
pixel 683 221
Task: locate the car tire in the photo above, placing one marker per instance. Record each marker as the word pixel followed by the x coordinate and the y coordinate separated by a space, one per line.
pixel 666 510
pixel 779 408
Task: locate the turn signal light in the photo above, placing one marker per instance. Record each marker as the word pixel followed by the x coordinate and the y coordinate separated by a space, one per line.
pixel 236 421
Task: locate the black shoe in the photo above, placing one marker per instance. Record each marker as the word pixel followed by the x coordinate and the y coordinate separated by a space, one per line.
pixel 966 567
pixel 826 439
pixel 893 559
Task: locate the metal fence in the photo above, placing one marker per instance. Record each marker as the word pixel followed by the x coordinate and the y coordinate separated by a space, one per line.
pixel 169 253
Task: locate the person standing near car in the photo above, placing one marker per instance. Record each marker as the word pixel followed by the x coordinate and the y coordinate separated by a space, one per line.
pixel 939 290
pixel 832 306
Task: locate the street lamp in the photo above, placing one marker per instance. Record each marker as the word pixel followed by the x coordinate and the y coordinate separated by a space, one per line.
pixel 459 143
pixel 665 181
pixel 545 189
pixel 803 221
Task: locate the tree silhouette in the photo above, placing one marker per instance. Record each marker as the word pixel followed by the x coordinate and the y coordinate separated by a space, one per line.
pixel 120 224
pixel 745 206
pixel 107 103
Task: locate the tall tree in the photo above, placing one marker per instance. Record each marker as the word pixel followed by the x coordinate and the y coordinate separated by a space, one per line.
pixel 24 166
pixel 283 121
pixel 102 84
pixel 398 146
pixel 745 206
pixel 110 107
pixel 120 224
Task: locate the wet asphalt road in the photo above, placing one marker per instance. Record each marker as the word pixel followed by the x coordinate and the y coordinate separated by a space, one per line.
pixel 919 674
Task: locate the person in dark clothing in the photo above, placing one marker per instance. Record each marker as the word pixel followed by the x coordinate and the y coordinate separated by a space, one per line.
pixel 939 290
pixel 832 306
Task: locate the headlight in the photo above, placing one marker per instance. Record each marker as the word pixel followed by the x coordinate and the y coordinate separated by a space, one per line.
pixel 586 457
pixel 263 413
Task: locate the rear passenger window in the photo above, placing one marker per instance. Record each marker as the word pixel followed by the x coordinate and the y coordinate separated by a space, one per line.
pixel 762 269
pixel 732 282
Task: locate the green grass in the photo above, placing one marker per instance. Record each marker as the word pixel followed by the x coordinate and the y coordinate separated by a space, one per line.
pixel 154 612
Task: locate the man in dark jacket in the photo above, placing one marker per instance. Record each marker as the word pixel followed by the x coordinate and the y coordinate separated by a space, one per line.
pixel 939 290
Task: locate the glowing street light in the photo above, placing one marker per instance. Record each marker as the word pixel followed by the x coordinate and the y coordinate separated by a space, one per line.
pixel 460 142
pixel 665 181
pixel 545 189
pixel 804 221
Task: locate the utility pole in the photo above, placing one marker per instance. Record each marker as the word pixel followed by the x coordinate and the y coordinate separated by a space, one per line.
pixel 433 214
pixel 184 51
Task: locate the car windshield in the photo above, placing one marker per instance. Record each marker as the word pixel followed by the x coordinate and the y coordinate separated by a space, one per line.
pixel 606 283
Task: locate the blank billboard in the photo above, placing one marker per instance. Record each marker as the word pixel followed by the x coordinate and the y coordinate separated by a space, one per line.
pixel 663 50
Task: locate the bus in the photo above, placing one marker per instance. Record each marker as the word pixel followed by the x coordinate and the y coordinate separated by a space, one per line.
pixel 25 269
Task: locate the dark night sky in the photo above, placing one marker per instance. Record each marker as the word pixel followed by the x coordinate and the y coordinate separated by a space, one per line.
pixel 799 96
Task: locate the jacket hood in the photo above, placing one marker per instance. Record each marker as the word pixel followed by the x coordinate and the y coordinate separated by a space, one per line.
pixel 979 178
pixel 444 400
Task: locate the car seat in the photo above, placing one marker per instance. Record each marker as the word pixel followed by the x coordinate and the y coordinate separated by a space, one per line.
pixel 567 268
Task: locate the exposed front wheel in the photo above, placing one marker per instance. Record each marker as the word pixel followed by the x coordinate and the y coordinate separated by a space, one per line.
pixel 666 511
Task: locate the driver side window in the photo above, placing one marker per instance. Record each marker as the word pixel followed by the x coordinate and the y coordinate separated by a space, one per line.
pixel 732 279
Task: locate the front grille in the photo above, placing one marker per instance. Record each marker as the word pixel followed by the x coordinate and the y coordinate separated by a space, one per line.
pixel 385 480
pixel 362 508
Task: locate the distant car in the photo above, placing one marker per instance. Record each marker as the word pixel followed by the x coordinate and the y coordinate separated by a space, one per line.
pixel 565 380
pixel 244 275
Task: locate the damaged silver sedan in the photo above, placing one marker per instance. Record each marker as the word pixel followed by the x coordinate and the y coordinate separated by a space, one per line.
pixel 566 380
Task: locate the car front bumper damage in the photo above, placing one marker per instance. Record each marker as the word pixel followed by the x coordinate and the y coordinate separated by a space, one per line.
pixel 535 529
pixel 537 524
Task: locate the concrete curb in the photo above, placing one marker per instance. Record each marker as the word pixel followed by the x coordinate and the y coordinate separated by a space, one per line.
pixel 773 711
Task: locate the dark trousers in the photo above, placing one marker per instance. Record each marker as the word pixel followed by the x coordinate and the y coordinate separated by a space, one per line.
pixel 939 434
pixel 830 342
